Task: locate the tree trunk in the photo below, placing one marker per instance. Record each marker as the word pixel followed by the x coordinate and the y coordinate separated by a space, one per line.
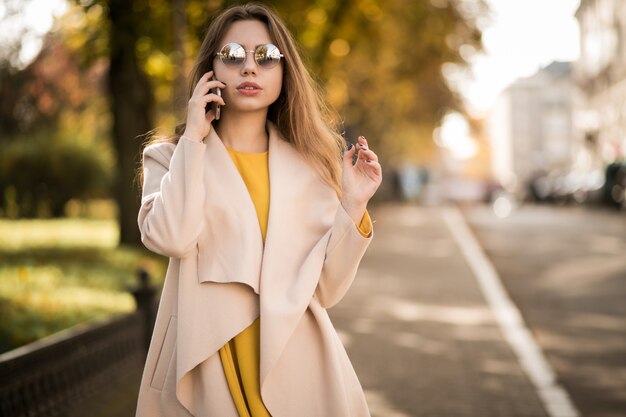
pixel 179 31
pixel 132 106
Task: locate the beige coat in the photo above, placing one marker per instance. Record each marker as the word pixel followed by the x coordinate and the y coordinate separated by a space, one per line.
pixel 196 210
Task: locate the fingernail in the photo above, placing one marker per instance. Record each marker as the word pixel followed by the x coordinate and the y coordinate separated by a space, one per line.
pixel 368 160
pixel 349 146
pixel 362 146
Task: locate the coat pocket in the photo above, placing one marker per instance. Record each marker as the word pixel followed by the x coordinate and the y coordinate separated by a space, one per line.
pixel 165 355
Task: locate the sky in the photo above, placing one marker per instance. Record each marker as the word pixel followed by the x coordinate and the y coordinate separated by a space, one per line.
pixel 37 16
pixel 521 37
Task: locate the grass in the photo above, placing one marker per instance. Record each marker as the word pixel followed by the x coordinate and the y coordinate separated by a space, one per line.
pixel 57 273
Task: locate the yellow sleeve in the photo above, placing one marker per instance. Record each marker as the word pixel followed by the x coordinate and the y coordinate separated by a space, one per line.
pixel 365 226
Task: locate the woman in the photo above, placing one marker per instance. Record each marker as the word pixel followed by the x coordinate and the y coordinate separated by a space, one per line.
pixel 242 328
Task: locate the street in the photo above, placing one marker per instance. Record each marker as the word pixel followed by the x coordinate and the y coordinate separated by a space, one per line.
pixel 424 342
pixel 419 331
pixel 565 268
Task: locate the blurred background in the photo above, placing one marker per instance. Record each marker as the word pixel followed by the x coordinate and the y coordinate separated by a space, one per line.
pixel 504 108
pixel 82 82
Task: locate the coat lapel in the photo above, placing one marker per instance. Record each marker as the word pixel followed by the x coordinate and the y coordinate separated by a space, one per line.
pixel 302 209
pixel 230 181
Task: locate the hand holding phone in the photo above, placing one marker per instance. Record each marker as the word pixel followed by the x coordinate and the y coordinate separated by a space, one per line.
pixel 202 101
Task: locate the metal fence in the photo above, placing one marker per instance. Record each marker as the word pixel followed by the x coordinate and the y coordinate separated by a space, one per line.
pixel 46 377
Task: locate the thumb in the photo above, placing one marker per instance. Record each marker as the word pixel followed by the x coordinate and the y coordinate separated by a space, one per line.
pixel 348 154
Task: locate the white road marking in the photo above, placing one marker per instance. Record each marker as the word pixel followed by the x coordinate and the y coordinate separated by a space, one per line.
pixel 554 398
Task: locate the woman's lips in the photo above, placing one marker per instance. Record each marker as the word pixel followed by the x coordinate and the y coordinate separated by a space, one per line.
pixel 249 89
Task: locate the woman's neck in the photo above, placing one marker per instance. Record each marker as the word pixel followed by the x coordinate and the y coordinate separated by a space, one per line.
pixel 244 132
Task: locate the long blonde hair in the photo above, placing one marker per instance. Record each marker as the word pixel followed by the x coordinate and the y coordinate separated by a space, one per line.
pixel 300 113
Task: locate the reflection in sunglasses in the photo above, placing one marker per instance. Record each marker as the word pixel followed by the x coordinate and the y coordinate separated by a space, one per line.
pixel 266 56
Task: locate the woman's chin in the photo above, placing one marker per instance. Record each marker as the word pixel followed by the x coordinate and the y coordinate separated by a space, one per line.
pixel 241 110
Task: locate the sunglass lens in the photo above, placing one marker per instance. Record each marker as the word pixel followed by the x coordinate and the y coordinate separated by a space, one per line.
pixel 267 55
pixel 233 54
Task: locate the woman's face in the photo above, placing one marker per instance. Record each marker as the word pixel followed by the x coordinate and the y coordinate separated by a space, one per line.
pixel 264 84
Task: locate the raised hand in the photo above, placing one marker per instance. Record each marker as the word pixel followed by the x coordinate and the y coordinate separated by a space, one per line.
pixel 198 119
pixel 360 180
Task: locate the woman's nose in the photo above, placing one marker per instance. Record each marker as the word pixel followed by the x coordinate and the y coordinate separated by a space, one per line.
pixel 249 65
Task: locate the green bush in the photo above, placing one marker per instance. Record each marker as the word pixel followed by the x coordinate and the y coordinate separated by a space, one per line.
pixel 39 176
pixel 58 273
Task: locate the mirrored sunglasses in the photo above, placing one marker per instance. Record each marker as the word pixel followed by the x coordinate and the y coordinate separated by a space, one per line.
pixel 265 56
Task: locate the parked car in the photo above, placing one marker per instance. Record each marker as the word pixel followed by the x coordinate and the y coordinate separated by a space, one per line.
pixel 614 190
pixel 567 187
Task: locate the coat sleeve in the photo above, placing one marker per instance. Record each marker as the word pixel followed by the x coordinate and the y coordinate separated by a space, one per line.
pixel 346 246
pixel 170 217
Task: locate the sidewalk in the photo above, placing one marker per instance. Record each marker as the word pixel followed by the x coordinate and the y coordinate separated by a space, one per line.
pixel 118 399
pixel 419 332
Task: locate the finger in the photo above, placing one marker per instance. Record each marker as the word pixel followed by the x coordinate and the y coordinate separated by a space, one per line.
pixel 367 157
pixel 371 168
pixel 362 157
pixel 368 154
pixel 206 86
pixel 362 141
pixel 208 98
pixel 206 80
pixel 216 84
pixel 210 116
pixel 348 154
pixel 375 166
pixel 205 77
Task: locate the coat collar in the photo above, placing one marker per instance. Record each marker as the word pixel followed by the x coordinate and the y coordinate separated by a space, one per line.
pixel 287 172
pixel 236 193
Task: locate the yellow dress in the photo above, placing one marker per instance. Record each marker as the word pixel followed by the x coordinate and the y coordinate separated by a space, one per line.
pixel 240 356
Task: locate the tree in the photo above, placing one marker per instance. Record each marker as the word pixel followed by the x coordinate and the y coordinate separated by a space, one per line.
pixel 381 64
pixel 132 107
pixel 48 153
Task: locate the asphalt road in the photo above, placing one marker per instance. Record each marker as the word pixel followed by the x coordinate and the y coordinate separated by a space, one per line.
pixel 418 329
pixel 565 268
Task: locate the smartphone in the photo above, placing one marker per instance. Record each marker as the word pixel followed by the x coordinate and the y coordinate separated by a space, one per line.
pixel 213 105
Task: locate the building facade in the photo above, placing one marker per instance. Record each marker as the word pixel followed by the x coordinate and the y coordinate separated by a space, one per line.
pixel 600 79
pixel 530 127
